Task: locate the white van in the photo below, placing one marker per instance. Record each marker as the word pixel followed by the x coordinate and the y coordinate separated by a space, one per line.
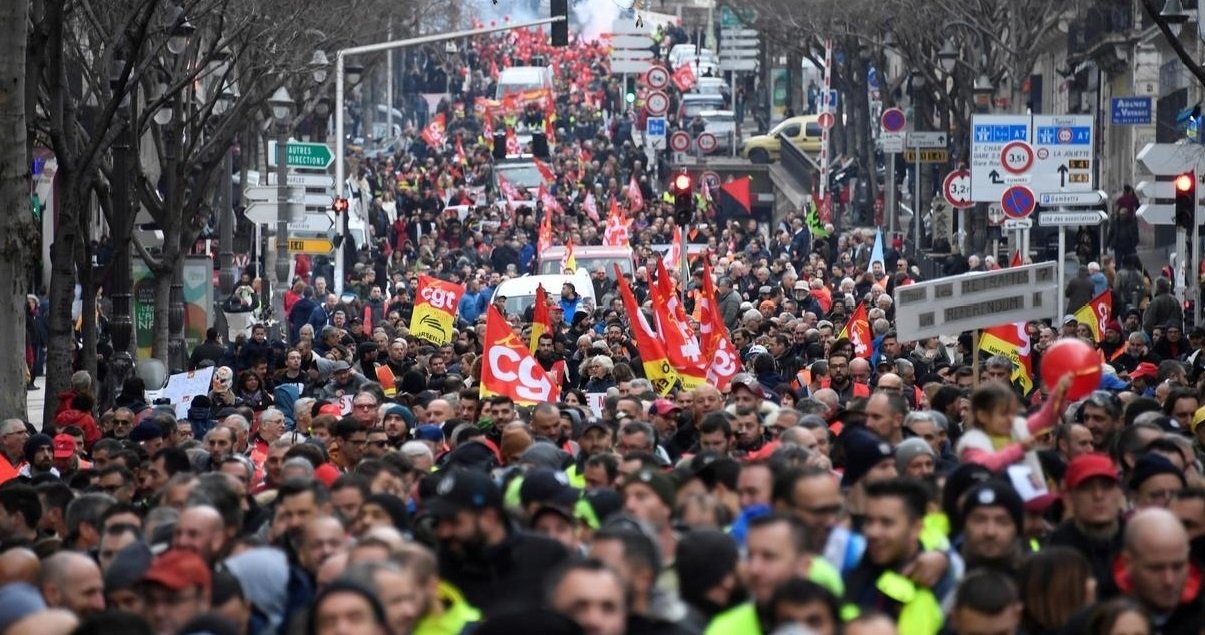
pixel 520 293
pixel 589 257
pixel 520 78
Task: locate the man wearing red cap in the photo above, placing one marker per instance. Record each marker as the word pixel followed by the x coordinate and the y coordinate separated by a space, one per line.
pixel 1093 496
pixel 177 588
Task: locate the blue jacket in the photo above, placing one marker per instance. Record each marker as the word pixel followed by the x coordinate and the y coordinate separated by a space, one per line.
pixel 570 308
pixel 472 304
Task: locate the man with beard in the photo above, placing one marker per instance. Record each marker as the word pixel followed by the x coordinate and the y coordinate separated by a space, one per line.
pixel 550 361
pixel 39 456
pixel 498 567
pixel 747 430
pixel 395 421
pixel 1094 499
pixel 839 379
pixel 992 520
pixel 1101 415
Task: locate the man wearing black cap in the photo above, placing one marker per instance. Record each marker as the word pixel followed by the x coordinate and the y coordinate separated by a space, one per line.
pixel 499 568
pixel 992 520
pixel 548 500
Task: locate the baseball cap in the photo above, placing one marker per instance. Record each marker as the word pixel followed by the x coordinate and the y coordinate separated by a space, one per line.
pixel 178 569
pixel 330 409
pixel 1198 417
pixel 755 350
pixel 1069 319
pixel 800 285
pixel 746 380
pixel 663 407
pixel 463 489
pixel 1087 466
pixel 1145 369
pixel 548 487
pixel 64 446
pixel 340 366
pixel 429 432
pixel 765 290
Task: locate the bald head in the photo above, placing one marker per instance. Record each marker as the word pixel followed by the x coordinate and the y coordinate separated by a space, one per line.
pixel 19 565
pixel 72 581
pixel 890 381
pixel 1154 525
pixel 828 397
pixel 859 368
pixel 1157 558
pixel 200 529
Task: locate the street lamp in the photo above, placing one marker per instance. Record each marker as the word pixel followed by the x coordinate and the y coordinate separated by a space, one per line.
pixel 353 72
pixel 121 327
pixel 179 34
pixel 318 65
pixel 282 112
pixel 982 91
pixel 947 57
pixel 1174 14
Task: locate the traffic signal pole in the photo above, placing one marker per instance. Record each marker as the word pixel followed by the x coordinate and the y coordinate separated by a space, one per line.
pixel 340 61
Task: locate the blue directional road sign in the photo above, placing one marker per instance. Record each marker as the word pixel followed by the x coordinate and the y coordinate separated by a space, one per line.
pixel 1131 111
pixel 1018 202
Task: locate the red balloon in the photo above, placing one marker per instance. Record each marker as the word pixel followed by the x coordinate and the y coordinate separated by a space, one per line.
pixel 1072 357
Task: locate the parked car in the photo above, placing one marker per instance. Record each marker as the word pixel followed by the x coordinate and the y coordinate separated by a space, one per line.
pixel 722 124
pixel 803 130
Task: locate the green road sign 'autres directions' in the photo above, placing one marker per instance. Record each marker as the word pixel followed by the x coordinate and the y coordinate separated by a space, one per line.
pixel 304 155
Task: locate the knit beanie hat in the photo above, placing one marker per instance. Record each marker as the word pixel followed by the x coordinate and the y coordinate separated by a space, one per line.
pixel 704 558
pixel 662 485
pixel 995 493
pixel 910 449
pixel 863 451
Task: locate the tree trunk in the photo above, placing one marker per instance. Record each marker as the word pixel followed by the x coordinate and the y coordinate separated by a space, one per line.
pixel 83 266
pixel 159 344
pixel 60 347
pixel 16 225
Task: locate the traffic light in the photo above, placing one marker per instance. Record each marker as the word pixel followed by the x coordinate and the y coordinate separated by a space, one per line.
pixel 1186 200
pixel 340 206
pixel 682 188
pixel 560 29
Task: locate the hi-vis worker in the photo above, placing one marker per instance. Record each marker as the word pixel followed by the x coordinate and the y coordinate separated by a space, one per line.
pixel 893 525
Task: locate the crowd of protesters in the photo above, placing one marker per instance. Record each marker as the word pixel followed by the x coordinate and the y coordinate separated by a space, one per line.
pixel 901 491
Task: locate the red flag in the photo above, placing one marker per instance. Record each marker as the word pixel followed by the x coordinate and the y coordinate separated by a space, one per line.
pixel 684 77
pixel 1096 313
pixel 435 134
pixel 857 331
pixel 508 367
pixel 713 335
pixel 568 260
pixel 738 189
pixel 461 158
pixel 681 345
pixel 674 259
pixel 1016 259
pixel 550 202
pixel 544 240
pixel 616 234
pixel 545 171
pixel 541 322
pixel 512 142
pixel 635 196
pixel 653 358
pixel 591 207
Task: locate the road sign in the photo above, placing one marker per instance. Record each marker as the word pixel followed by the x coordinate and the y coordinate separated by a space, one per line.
pixel 893 120
pixel 956 188
pixel 305 180
pixel 312 223
pixel 927 156
pixel 1018 201
pixel 738 64
pixel 989 135
pixel 269 193
pixel 313 246
pixel 892 142
pixel 1071 219
pixel 995 215
pixel 828 100
pixel 632 42
pixel 707 142
pixel 926 139
pixel 1065 152
pixel 1071 199
pixel 1013 224
pixel 737 17
pixel 630 66
pixel 266 213
pixel 1128 111
pixel 657 77
pixel 679 141
pixel 975 300
pixel 1166 160
pixel 657 103
pixel 655 128
pixel 631 49
pixel 303 155
pixel 1016 157
pixel 826 120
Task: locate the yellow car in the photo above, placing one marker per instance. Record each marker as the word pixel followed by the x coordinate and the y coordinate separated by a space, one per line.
pixel 804 131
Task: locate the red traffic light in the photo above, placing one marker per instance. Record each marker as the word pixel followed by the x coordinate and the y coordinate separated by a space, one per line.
pixel 340 206
pixel 682 183
pixel 1184 182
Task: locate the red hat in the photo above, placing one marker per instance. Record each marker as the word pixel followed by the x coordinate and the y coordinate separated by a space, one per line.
pixel 1145 369
pixel 327 474
pixel 178 569
pixel 663 407
pixel 64 446
pixel 1086 466
pixel 330 409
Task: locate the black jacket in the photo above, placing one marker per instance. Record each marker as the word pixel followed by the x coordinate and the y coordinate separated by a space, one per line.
pixel 1099 555
pixel 509 577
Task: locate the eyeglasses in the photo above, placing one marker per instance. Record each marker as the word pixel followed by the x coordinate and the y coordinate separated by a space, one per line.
pixel 378 444
pixel 365 406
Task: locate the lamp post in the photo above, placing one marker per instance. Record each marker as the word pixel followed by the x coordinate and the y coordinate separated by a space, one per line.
pixel 947 57
pixel 282 113
pixel 121 326
pixel 1174 14
pixel 171 117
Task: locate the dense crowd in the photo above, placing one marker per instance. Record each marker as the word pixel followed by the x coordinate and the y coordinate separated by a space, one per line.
pixel 346 477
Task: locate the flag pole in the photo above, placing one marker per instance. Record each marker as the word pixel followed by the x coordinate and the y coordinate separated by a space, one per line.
pixel 975 355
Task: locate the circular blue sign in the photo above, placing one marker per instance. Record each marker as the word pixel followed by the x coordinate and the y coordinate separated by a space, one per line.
pixel 894 120
pixel 1017 202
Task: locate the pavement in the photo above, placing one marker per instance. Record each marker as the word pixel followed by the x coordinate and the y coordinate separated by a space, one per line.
pixel 35 403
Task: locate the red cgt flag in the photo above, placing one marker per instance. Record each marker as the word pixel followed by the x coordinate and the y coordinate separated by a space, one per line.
pixel 508 368
pixel 857 331
pixel 725 360
pixel 635 195
pixel 435 134
pixel 684 77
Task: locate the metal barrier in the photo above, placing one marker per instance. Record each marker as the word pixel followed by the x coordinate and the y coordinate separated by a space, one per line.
pixel 796 164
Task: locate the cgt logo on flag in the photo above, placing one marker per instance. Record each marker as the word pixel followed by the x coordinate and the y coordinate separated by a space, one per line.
pixel 435 309
pixel 435 134
pixel 509 368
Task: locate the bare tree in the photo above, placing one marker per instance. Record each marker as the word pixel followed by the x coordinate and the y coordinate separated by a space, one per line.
pixel 17 231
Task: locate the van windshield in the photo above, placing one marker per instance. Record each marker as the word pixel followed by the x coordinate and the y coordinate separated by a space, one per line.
pixel 520 174
pixel 694 107
pixel 518 87
pixel 552 266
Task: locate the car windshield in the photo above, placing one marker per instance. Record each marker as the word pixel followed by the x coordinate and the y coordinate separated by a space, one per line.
pixel 589 264
pixel 694 107
pixel 520 174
